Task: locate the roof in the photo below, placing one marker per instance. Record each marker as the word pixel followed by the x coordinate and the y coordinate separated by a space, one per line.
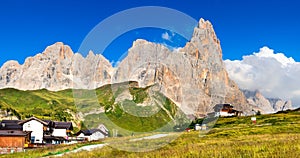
pixel 219 107
pixel 11 121
pixel 50 122
pixel 13 133
pixel 89 132
pixel 10 125
pixel 34 118
pixel 102 126
pixel 63 125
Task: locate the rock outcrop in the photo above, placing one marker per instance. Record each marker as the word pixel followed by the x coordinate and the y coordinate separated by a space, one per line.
pixel 266 105
pixel 281 105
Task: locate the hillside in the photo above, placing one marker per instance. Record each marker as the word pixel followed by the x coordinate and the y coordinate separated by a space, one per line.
pixel 140 113
pixel 274 135
pixel 40 103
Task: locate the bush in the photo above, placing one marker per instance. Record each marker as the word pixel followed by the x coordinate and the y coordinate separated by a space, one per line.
pixel 258 113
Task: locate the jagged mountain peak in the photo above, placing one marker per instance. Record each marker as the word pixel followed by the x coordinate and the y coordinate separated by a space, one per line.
pixel 204 28
pixel 204 24
pixel 139 42
pixel 90 54
pixel 266 105
pixel 56 68
pixel 194 78
pixel 58 49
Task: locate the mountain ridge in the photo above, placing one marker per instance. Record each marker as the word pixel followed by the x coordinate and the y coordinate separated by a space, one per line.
pixel 266 105
pixel 194 76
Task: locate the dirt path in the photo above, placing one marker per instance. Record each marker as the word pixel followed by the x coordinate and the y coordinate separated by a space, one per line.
pixel 150 137
pixel 87 148
pixel 97 146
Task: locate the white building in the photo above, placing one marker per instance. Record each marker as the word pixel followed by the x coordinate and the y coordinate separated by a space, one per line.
pixel 92 134
pixel 36 127
pixel 60 132
pixel 62 129
pixel 47 131
pixel 103 129
pixel 225 110
pixel 197 127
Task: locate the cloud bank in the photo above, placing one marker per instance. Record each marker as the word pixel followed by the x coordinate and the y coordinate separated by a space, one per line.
pixel 274 74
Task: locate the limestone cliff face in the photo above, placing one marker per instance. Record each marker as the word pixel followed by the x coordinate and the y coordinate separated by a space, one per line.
pixel 9 73
pixel 57 68
pixel 194 76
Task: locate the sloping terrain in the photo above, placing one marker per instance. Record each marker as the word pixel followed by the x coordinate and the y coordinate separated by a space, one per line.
pixel 274 135
pixel 144 110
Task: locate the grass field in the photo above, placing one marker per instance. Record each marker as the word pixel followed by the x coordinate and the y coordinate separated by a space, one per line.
pixel 274 135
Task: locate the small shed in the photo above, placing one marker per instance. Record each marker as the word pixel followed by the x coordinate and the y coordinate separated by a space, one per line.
pixel 197 127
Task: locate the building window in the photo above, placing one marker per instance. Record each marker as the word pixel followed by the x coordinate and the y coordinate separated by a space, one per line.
pixel 32 139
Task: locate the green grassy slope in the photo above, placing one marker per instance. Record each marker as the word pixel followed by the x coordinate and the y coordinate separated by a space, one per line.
pixel 274 135
pixel 41 103
pixel 127 117
pixel 61 106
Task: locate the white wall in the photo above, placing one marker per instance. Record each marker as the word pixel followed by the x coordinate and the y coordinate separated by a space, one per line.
pixel 226 114
pixel 81 135
pixel 36 128
pixel 59 132
pixel 96 136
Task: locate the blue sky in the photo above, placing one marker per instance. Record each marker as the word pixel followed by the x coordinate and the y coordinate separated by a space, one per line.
pixel 243 27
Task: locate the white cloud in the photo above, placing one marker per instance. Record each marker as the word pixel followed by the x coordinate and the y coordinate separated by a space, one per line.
pixel 166 36
pixel 274 74
pixel 280 57
pixel 172 48
pixel 177 49
pixel 115 63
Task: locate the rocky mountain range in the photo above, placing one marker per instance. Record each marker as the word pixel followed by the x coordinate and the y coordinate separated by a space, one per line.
pixel 194 77
pixel 266 105
pixel 57 68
